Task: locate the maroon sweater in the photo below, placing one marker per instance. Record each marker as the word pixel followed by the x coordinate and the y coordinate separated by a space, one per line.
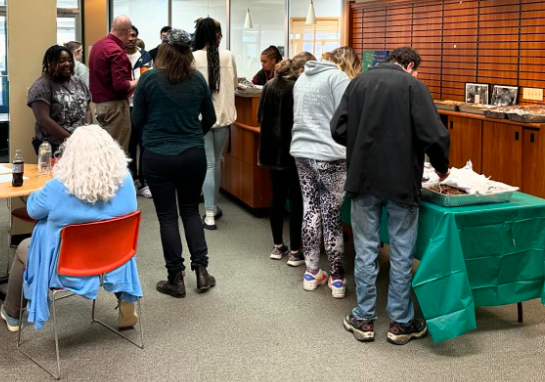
pixel 109 70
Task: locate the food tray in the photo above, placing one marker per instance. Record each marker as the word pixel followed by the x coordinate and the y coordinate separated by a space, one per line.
pixel 526 118
pixel 465 200
pixel 472 108
pixel 446 106
pixel 494 113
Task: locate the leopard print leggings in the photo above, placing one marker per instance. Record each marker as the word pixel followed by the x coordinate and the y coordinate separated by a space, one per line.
pixel 322 185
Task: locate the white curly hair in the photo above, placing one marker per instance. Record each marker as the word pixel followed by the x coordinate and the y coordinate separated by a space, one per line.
pixel 93 166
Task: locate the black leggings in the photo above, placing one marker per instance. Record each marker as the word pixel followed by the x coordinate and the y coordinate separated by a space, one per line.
pixel 135 166
pixel 286 184
pixel 181 176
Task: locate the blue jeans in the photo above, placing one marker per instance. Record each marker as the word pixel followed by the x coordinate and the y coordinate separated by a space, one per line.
pixel 214 143
pixel 402 229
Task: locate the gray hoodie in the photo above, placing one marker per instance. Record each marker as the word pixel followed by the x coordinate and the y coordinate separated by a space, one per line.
pixel 317 94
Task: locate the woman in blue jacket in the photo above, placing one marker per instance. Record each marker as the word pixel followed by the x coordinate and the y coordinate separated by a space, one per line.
pixel 91 183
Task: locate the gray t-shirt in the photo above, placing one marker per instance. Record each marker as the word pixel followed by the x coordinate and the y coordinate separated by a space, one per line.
pixel 68 102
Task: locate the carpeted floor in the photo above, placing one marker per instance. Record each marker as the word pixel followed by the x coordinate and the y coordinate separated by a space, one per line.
pixel 259 324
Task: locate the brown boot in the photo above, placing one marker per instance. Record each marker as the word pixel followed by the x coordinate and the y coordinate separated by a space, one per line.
pixel 205 281
pixel 127 316
pixel 176 288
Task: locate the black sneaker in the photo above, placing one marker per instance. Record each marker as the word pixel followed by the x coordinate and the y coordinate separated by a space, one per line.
pixel 278 252
pixel 296 259
pixel 401 334
pixel 363 330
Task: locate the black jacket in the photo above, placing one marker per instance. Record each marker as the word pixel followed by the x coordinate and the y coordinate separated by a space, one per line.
pixel 387 120
pixel 275 114
pixel 153 52
pixel 262 77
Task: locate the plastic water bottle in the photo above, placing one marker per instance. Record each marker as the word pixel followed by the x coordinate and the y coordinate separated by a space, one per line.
pixel 18 169
pixel 44 159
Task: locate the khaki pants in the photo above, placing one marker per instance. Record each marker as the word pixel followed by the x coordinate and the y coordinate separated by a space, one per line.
pixel 115 118
pixel 12 305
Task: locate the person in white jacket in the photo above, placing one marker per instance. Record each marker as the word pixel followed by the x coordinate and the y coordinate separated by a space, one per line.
pixel 219 68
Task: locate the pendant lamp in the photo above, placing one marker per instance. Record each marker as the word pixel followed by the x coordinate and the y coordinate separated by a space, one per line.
pixel 311 15
pixel 248 22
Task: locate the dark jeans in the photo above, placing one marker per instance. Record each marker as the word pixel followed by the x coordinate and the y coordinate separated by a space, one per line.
pixel 135 167
pixel 286 184
pixel 181 176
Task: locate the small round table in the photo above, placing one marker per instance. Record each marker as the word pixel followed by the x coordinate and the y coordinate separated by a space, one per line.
pixel 7 191
pixel 33 183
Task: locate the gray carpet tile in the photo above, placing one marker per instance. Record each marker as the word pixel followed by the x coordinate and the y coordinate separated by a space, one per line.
pixel 258 324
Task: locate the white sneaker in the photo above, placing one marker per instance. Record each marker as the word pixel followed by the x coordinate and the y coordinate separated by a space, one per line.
pixel 145 192
pixel 338 287
pixel 311 282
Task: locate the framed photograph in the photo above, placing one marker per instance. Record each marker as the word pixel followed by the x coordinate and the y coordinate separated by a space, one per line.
pixel 477 93
pixel 504 95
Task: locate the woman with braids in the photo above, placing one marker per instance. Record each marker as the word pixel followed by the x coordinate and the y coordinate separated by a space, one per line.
pixel 275 114
pixel 269 58
pixel 173 108
pixel 60 101
pixel 219 68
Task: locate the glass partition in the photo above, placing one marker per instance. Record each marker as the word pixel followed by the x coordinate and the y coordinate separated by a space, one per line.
pixel 186 12
pixel 149 16
pixel 66 29
pixel 268 29
pixel 316 39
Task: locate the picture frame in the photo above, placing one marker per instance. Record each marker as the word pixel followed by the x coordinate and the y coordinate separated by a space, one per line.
pixel 477 93
pixel 503 95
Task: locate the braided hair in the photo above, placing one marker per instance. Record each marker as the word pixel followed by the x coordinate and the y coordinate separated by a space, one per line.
pixel 208 34
pixel 51 61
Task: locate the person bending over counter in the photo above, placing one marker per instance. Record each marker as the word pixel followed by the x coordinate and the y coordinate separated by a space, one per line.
pixel 269 58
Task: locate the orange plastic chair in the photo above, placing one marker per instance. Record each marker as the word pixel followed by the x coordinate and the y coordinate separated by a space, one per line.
pixel 93 249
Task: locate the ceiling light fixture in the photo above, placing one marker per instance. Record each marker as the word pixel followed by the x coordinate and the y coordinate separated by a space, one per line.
pixel 311 15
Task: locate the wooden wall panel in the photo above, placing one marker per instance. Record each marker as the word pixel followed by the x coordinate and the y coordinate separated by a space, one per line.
pixel 490 41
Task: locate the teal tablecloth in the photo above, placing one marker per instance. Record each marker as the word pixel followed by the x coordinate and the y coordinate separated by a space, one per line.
pixel 475 256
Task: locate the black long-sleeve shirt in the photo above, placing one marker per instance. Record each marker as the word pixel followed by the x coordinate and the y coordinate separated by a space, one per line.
pixel 169 114
pixel 387 120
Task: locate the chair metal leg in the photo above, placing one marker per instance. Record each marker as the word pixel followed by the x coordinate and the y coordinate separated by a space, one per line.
pixel 519 310
pixel 141 345
pixel 10 223
pixel 20 316
pixel 58 375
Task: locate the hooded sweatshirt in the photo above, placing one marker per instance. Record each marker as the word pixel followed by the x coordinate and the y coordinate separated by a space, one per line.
pixel 317 94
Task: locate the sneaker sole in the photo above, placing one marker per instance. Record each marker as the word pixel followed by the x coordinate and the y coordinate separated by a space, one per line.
pixel 336 293
pixel 404 339
pixel 296 263
pixel 276 257
pixel 210 227
pixel 358 334
pixel 10 327
pixel 312 285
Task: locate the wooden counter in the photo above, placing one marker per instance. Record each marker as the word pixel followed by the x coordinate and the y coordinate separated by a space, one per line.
pixel 241 177
pixel 509 152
